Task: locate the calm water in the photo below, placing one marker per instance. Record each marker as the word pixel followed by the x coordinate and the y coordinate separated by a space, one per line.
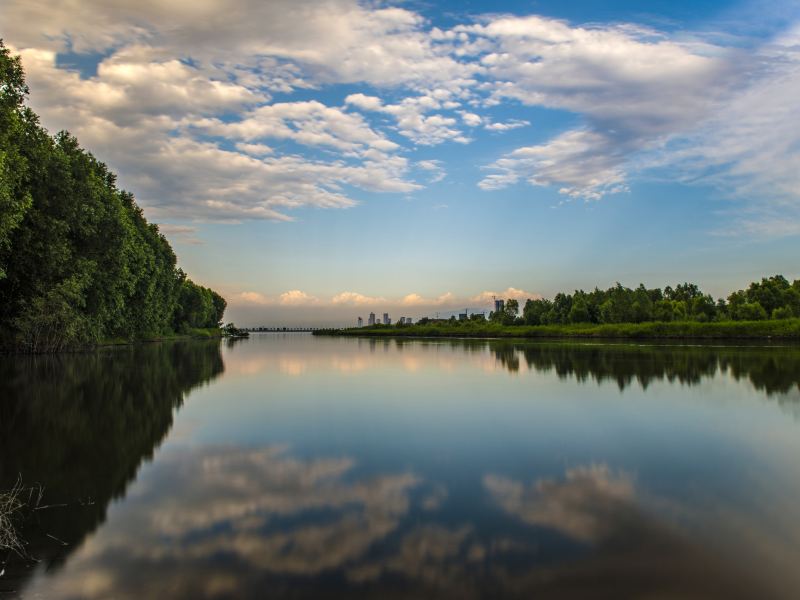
pixel 294 466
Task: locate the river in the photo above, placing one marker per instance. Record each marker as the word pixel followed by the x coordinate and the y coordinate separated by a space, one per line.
pixel 287 465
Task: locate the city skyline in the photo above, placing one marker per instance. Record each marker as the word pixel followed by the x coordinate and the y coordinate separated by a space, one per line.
pixel 316 161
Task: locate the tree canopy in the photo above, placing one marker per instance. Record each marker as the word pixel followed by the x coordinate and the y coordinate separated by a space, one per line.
pixel 78 261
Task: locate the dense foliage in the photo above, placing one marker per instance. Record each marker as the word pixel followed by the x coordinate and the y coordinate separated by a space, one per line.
pixel 78 261
pixel 771 298
pixel 768 308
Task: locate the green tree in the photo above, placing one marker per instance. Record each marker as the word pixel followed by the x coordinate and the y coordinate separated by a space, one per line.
pixel 78 260
pixel 579 313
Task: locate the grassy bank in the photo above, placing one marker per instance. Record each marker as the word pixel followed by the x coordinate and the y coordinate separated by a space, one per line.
pixel 192 334
pixel 784 329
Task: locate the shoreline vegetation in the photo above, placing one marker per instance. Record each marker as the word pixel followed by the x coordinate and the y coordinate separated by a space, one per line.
pixel 80 266
pixel 767 309
pixel 786 329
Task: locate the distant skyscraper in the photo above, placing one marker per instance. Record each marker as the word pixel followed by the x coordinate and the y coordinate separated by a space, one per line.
pixel 409 321
pixel 386 319
pixel 499 306
pixel 360 322
pixel 371 320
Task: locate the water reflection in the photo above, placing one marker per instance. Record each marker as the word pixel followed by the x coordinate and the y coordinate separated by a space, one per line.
pixel 376 468
pixel 634 553
pixel 80 425
pixel 224 522
pixel 774 370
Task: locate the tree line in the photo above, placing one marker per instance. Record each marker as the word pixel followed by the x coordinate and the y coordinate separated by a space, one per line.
pixel 771 298
pixel 79 263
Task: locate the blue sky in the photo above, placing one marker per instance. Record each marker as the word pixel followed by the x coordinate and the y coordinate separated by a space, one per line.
pixel 314 160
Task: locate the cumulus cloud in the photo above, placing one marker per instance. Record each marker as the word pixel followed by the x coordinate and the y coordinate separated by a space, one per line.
pixel 355 299
pixel 176 174
pixel 513 293
pixel 471 119
pixel 584 164
pixel 615 76
pixel 341 41
pixel 434 168
pixel 181 103
pixel 446 299
pixel 254 149
pixel 412 122
pixel 507 125
pixel 253 298
pixel 297 298
pixel 310 123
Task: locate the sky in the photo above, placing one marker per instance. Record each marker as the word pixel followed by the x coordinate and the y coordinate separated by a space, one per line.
pixel 317 160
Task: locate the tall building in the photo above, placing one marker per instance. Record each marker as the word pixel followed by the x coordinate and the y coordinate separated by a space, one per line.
pixel 386 319
pixel 499 305
pixel 360 322
pixel 371 320
pixel 463 316
pixel 409 320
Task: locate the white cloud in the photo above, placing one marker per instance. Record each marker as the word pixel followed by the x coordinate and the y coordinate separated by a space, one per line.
pixel 253 298
pixel 288 298
pixel 356 299
pixel 181 176
pixel 160 107
pixel 750 147
pixel 349 299
pixel 256 150
pixel 615 76
pixel 309 123
pixel 446 299
pixel 412 122
pixel 339 41
pixel 297 298
pixel 471 119
pixel 514 293
pixel 507 125
pixel 434 168
pixel 585 164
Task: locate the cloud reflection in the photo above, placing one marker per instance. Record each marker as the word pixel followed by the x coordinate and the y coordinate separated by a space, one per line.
pixel 258 511
pixel 632 552
pixel 585 506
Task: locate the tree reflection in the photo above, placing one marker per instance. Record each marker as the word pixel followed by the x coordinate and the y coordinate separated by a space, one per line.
pixel 80 425
pixel 769 369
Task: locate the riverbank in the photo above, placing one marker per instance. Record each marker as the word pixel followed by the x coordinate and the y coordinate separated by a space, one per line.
pixel 783 329
pixel 192 334
pixel 206 333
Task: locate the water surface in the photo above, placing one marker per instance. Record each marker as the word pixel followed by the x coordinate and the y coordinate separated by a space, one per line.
pixel 295 466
